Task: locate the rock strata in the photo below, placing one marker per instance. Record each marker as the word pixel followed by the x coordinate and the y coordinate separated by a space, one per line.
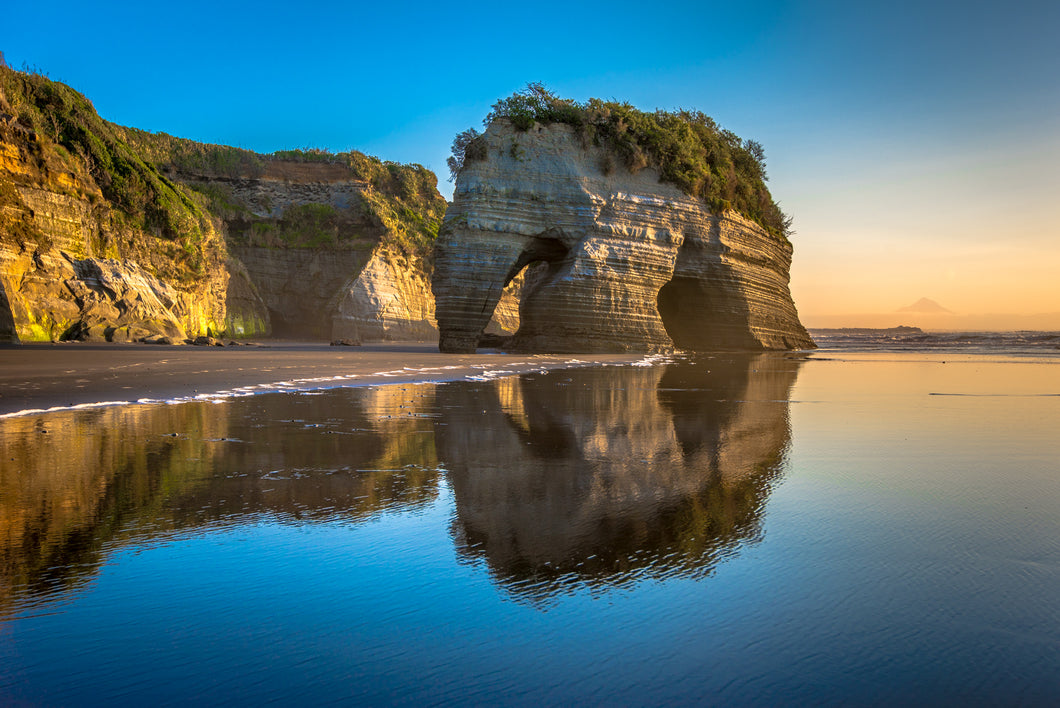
pixel 621 262
pixel 94 244
pixel 61 284
pixel 110 232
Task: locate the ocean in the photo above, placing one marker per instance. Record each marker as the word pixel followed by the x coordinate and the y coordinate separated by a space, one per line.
pixel 913 339
pixel 871 523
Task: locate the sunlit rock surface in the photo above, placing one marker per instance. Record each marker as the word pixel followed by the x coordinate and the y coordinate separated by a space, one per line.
pixel 113 233
pixel 630 264
pixel 71 267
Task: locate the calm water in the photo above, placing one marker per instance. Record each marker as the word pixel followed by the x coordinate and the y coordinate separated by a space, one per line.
pixel 851 528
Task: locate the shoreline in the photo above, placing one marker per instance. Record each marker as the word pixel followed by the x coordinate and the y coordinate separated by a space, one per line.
pixel 43 378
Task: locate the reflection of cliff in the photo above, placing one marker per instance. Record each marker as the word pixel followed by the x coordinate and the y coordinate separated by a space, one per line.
pixel 73 483
pixel 615 472
pixel 69 482
pixel 585 476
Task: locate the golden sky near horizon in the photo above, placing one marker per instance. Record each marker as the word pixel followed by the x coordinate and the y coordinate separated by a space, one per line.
pixel 975 231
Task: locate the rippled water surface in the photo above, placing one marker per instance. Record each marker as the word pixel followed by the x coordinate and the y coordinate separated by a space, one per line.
pixel 873 529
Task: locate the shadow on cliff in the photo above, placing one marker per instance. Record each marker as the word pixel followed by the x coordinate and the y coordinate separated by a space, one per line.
pixel 8 334
pixel 703 316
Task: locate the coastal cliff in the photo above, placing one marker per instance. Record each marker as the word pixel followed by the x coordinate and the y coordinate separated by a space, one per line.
pixel 94 243
pixel 112 233
pixel 335 245
pixel 615 259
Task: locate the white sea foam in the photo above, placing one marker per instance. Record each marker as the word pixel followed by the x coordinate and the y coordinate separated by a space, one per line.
pixel 54 409
pixel 654 360
pixel 486 372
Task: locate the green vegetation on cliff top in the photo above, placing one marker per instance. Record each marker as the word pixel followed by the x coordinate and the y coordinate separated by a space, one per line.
pixel 687 148
pixel 67 133
pixel 167 186
pixel 402 201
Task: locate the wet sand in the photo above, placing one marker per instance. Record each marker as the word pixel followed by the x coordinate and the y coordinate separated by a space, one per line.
pixel 36 377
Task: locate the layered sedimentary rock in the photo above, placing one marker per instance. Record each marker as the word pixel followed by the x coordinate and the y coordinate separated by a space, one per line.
pixel 389 299
pixel 112 233
pixel 73 267
pixel 359 285
pixel 629 263
pixel 317 256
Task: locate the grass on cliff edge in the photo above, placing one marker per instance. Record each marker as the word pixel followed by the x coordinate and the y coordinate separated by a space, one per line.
pixel 687 148
pixel 63 125
pixel 402 200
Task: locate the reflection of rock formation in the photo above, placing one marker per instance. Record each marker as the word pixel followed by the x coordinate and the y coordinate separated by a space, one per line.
pixel 69 482
pixel 72 482
pixel 589 475
pixel 610 473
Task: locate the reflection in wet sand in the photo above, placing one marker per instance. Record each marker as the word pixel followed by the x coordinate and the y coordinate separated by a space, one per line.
pixel 570 477
pixel 615 474
pixel 76 482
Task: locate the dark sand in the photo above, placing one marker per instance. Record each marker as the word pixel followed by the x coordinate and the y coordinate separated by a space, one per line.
pixel 43 376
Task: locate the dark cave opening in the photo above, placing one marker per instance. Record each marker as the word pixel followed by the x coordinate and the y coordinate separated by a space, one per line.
pixel 702 317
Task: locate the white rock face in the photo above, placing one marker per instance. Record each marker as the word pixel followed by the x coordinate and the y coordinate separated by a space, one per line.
pixel 633 264
pixel 390 299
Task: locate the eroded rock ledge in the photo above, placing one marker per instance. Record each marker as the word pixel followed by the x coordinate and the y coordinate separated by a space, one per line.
pixel 618 261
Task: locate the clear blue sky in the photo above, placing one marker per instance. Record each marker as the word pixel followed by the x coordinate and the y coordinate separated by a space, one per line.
pixel 914 142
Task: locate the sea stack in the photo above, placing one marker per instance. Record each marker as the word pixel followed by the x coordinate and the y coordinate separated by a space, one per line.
pixel 615 260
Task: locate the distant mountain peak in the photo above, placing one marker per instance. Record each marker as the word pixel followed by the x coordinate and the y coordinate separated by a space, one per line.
pixel 925 305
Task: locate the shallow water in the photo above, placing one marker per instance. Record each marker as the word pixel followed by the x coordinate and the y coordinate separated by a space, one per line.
pixel 865 529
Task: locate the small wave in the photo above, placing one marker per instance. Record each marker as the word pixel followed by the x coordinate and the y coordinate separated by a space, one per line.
pixel 54 409
pixel 978 342
pixel 654 360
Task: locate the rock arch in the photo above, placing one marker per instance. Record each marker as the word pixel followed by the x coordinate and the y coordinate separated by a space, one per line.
pixel 633 264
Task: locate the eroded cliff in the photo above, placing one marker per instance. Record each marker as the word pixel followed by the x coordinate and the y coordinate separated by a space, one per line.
pixel 619 261
pixel 94 243
pixel 113 233
pixel 336 245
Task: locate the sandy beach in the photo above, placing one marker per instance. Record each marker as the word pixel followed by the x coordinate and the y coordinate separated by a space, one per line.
pixel 36 377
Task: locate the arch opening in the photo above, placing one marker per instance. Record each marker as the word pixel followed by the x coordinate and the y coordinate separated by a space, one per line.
pixel 699 317
pixel 538 262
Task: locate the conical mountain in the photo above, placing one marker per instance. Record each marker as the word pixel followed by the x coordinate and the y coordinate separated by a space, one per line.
pixel 926 306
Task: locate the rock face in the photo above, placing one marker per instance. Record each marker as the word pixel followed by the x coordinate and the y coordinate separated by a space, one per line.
pixel 355 287
pixel 390 299
pixel 72 267
pixel 358 286
pixel 112 233
pixel 621 261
